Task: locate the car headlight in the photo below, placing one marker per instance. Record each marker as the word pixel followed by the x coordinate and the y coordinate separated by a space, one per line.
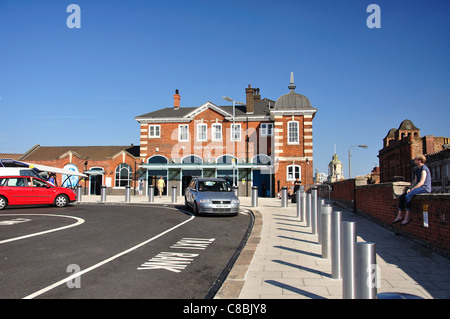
pixel 205 201
pixel 235 201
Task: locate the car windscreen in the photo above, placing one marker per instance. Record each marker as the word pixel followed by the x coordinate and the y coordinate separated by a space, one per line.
pixel 213 186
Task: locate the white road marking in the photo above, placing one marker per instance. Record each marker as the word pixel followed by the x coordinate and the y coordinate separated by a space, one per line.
pixel 79 222
pixel 63 281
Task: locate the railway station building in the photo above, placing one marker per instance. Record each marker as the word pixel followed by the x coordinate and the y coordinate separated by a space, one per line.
pixel 262 142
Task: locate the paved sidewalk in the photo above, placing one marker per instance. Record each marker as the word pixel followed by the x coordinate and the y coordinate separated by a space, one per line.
pixel 282 258
pixel 288 260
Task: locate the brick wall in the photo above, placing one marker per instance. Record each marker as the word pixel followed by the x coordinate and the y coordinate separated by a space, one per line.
pixel 380 202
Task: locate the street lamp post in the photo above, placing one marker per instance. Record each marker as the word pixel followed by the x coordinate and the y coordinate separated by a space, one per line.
pixel 349 159
pixel 233 138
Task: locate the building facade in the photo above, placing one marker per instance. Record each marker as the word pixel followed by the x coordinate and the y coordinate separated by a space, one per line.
pixel 112 166
pixel 400 146
pixel 263 143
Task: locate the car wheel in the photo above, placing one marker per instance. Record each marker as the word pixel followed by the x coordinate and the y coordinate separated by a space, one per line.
pixel 186 204
pixel 3 202
pixel 61 201
pixel 194 208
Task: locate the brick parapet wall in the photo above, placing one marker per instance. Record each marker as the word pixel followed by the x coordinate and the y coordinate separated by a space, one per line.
pixel 380 203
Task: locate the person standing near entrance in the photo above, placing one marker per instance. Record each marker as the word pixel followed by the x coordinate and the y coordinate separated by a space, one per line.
pixel 161 184
pixel 141 187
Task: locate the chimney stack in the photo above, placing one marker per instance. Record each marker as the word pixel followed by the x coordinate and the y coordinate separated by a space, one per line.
pixel 250 103
pixel 176 100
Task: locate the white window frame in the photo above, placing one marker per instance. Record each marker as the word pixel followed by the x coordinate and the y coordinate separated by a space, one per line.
pixel 296 169
pixel 155 128
pixel 214 138
pixel 180 132
pixel 266 129
pixel 297 137
pixel 202 136
pixel 237 127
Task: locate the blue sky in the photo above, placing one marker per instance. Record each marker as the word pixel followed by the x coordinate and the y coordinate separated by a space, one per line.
pixel 61 86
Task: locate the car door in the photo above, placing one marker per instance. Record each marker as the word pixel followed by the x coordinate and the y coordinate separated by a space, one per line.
pixel 189 192
pixel 17 190
pixel 42 193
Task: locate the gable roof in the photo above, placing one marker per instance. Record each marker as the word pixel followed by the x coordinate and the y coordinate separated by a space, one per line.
pixel 45 153
pixel 186 114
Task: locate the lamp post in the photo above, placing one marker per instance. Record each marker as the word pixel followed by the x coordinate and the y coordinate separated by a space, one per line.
pixel 349 159
pixel 233 138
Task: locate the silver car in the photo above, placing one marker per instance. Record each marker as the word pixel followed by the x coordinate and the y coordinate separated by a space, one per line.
pixel 211 196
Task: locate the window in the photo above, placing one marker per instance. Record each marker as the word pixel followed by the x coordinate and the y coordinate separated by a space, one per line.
pixel 266 129
pixel 235 132
pixel 154 131
pixel 123 175
pixel 39 183
pixel 216 134
pixel 183 133
pixel 18 182
pixel 201 132
pixel 293 172
pixel 293 137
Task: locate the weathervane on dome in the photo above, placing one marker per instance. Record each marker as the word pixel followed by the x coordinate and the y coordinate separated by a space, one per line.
pixel 292 85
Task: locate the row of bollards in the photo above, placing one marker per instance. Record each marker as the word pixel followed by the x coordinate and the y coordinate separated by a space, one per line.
pixel 353 262
pixel 151 193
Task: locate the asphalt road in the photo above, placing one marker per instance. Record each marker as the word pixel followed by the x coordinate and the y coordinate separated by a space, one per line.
pixel 115 251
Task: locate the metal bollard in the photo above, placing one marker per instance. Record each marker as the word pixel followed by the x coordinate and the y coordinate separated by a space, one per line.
pixel 348 241
pixel 326 231
pixel 336 219
pixel 103 193
pixel 308 209
pixel 319 220
pixel 127 193
pixel 236 190
pixel 79 195
pixel 255 196
pixel 284 201
pixel 174 193
pixel 151 193
pixel 303 205
pixel 297 197
pixel 314 211
pixel 365 274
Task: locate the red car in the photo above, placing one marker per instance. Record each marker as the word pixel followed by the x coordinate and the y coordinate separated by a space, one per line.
pixel 27 190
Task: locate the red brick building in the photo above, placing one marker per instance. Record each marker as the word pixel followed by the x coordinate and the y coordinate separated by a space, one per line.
pixel 263 143
pixel 400 146
pixel 113 166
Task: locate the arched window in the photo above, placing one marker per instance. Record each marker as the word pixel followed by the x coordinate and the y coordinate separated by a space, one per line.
pixel 123 175
pixel 262 159
pixel 70 180
pixel 228 173
pixel 157 159
pixel 226 159
pixel 192 159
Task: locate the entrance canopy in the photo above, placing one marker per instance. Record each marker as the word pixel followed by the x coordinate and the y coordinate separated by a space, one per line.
pixel 205 165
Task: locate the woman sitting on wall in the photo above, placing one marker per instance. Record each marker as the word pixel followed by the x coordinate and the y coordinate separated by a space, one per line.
pixel 421 184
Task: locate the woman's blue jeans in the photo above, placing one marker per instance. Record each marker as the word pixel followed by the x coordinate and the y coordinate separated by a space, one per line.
pixel 405 198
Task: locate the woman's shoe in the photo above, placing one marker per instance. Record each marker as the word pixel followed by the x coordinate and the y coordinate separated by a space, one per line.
pixel 406 223
pixel 397 220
